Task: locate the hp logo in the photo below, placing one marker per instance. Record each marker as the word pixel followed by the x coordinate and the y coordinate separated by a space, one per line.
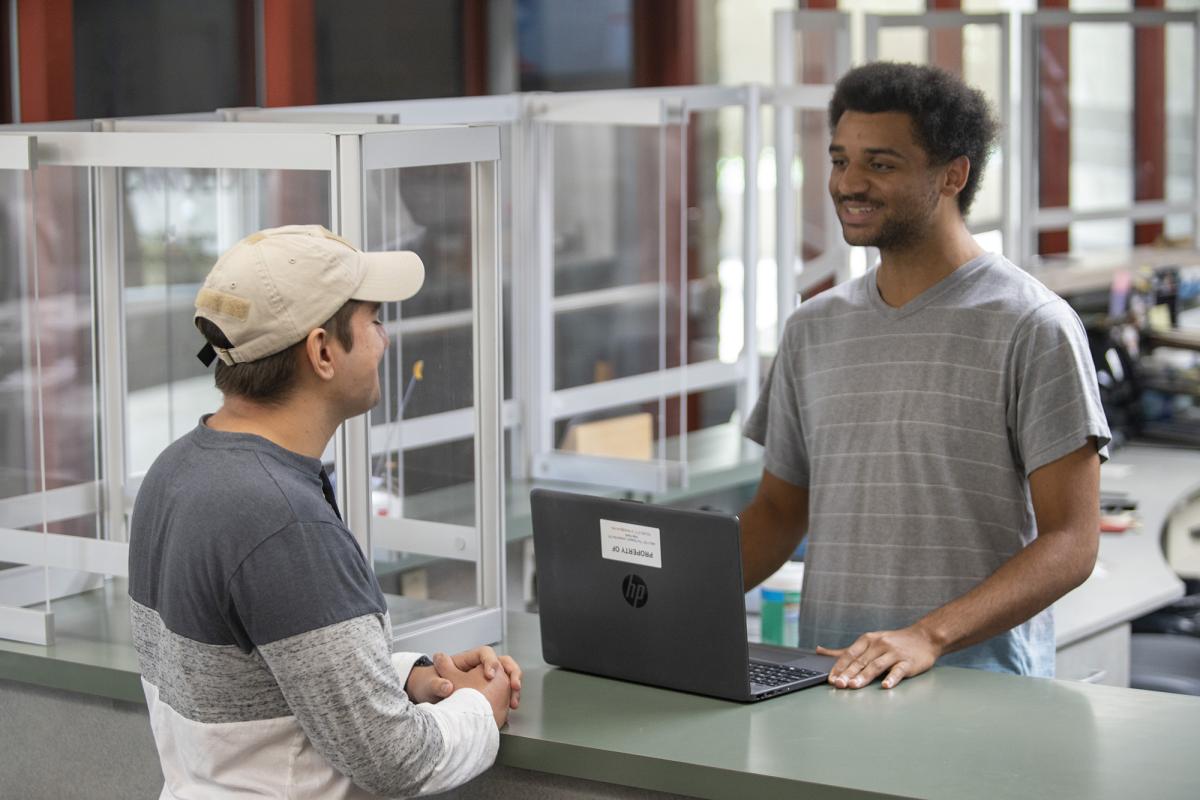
pixel 634 590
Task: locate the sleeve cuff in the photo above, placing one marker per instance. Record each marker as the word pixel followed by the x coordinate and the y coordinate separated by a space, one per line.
pixel 470 736
pixel 403 663
pixel 1069 444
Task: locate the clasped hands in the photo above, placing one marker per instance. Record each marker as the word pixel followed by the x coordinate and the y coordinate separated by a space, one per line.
pixel 498 678
pixel 900 654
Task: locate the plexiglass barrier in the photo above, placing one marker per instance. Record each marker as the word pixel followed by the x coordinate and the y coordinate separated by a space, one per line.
pixel 646 325
pixel 1078 101
pixel 107 237
pixel 637 234
pixel 48 460
pixel 625 239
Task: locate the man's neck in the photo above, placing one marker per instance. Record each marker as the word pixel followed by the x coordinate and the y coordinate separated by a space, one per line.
pixel 905 273
pixel 294 426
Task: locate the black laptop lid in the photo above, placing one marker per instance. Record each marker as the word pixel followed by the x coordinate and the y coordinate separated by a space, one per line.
pixel 641 592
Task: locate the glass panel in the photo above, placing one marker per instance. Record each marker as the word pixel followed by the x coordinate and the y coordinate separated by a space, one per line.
pixel 176 224
pixel 48 407
pixel 421 438
pixel 616 251
pixel 607 208
pixel 648 277
pixel 608 341
pixel 17 447
pixel 1101 120
pixel 634 431
pixel 46 302
pixel 20 447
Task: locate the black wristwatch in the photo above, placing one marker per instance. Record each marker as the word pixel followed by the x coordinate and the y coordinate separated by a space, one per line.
pixel 423 661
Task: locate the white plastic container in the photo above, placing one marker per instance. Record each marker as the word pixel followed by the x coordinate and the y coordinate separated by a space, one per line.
pixel 781 605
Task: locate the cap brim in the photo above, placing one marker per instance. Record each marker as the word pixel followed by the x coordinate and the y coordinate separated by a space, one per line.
pixel 390 276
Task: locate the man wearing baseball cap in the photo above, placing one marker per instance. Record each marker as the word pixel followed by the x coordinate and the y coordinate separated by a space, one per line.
pixel 262 634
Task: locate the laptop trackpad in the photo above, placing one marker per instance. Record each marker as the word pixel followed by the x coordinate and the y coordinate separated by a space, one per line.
pixel 791 656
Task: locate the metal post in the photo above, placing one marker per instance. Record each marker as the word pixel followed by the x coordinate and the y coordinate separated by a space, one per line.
pixel 1010 178
pixel 489 382
pixel 352 446
pixel 751 144
pixel 785 198
pixel 1029 115
pixel 661 444
pixel 542 420
pixel 26 275
pixel 109 279
pixel 522 273
pixel 680 115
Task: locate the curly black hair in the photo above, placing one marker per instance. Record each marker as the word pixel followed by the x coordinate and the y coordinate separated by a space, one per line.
pixel 950 119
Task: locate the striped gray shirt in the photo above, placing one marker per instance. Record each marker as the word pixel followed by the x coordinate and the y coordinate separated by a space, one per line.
pixel 915 430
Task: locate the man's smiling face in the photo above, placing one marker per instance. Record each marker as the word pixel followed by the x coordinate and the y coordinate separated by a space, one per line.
pixel 882 185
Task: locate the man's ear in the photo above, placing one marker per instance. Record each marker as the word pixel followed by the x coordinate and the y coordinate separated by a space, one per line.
pixel 317 353
pixel 955 179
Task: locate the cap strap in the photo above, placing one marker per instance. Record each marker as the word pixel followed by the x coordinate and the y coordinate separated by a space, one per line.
pixel 216 302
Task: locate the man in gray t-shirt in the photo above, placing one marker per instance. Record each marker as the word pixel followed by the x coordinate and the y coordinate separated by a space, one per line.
pixel 933 427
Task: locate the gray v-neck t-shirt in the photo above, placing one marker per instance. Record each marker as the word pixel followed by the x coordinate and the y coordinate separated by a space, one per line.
pixel 915 430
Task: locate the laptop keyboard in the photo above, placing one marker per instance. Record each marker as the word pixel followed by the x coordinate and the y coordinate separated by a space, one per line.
pixel 765 674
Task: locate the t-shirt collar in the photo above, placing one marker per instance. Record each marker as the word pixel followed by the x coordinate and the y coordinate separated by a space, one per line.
pixel 955 278
pixel 209 437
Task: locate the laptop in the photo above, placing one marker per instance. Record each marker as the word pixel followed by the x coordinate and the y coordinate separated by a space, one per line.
pixel 652 594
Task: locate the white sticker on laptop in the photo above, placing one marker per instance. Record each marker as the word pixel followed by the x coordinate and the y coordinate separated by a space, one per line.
pixel 636 544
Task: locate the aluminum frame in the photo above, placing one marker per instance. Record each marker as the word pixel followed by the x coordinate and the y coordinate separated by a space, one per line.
pixel 432 117
pixel 654 107
pixel 18 152
pixel 1034 217
pixel 648 109
pixel 154 144
pixel 530 118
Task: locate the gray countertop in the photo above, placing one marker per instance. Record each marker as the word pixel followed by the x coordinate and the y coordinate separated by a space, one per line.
pixel 1132 577
pixel 950 733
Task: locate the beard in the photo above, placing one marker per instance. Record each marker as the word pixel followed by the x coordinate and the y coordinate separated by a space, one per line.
pixel 905 223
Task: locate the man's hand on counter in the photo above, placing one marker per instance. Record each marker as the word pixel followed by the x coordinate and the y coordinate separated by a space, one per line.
pixel 897 654
pixel 492 683
pixel 492 665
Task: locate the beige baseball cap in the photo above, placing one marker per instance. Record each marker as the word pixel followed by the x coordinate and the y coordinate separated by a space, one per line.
pixel 272 288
